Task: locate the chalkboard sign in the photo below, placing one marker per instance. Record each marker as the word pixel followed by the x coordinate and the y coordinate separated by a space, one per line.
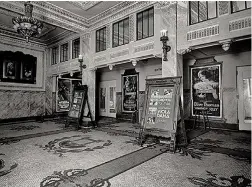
pixel 161 109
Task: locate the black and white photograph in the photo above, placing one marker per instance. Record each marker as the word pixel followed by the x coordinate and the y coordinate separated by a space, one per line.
pixel 125 93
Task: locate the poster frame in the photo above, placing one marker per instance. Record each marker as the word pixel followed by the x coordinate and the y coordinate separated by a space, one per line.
pixel 137 88
pixel 71 92
pixel 177 117
pixel 220 94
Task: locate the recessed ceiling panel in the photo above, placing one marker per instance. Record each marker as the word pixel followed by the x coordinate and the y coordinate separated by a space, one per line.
pixel 86 9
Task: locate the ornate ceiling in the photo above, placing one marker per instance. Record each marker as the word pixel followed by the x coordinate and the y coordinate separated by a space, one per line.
pixel 60 18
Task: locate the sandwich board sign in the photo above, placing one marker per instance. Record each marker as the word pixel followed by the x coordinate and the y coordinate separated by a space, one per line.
pixel 77 106
pixel 163 111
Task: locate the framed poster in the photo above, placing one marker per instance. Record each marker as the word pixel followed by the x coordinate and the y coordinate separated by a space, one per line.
pixel 129 92
pixel 77 102
pixel 10 69
pixel 205 90
pixel 65 87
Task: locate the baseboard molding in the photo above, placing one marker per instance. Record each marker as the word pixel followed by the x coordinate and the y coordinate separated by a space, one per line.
pixel 27 119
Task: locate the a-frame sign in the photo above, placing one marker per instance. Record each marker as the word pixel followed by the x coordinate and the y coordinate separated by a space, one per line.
pixel 163 112
pixel 77 107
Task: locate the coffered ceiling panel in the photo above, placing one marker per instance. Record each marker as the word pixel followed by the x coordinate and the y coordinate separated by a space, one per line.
pixel 86 9
pixel 60 18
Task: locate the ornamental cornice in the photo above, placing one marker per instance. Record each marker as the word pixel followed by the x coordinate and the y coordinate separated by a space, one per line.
pixel 184 51
pixel 55 9
pixel 18 42
pixel 48 16
pixel 116 12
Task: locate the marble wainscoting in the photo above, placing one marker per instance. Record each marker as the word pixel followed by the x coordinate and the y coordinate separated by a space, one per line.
pixel 49 96
pixel 118 102
pixel 18 104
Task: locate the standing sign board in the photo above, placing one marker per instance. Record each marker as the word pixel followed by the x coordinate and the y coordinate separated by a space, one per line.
pixel 79 99
pixel 161 110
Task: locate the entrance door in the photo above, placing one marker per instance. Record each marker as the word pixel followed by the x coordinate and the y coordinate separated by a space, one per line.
pixel 107 98
pixel 245 96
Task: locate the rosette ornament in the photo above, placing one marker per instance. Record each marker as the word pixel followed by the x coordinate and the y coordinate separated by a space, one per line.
pixel 27 26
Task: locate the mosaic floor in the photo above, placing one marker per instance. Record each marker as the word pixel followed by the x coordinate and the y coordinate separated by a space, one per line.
pixel 111 157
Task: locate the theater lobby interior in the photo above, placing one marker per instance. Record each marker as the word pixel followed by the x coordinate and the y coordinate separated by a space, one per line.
pixel 104 94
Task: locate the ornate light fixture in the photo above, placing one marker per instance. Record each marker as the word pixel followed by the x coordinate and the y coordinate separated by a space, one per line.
pixel 164 39
pixel 27 25
pixel 80 60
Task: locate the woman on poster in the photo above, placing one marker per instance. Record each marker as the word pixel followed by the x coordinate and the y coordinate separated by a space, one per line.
pixel 206 86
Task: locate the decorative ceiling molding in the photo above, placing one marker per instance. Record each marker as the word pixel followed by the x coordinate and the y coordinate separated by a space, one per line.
pixel 5 38
pixel 84 5
pixel 50 16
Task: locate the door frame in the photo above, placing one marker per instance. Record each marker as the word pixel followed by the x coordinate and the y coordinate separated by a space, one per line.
pixel 240 115
pixel 107 85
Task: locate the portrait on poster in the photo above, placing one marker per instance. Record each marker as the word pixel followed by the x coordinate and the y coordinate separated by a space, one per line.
pixel 129 84
pixel 205 90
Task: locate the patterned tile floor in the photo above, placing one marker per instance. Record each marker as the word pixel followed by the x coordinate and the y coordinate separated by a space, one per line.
pixel 98 158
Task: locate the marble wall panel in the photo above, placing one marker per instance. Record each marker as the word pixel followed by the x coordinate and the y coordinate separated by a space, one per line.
pixel 119 102
pixel 230 106
pixel 49 96
pixel 37 103
pixel 17 104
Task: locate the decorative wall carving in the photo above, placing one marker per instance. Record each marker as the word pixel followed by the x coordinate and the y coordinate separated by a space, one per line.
pixel 119 54
pixel 203 33
pixel 144 47
pixel 100 59
pixel 84 5
pixel 223 7
pixel 183 51
pixel 239 24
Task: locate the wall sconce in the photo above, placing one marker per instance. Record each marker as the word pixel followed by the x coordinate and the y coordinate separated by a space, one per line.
pixel 134 62
pixel 80 60
pixel 166 48
pixel 71 73
pixel 110 67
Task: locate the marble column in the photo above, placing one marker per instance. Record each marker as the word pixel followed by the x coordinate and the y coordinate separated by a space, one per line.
pixel 168 21
pixel 88 75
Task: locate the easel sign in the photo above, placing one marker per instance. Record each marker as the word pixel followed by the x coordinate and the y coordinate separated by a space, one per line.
pixel 161 109
pixel 79 99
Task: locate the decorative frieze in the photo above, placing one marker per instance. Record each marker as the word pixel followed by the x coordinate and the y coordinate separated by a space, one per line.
pixel 84 5
pixel 239 24
pixel 203 33
pixel 100 59
pixel 223 7
pixel 18 42
pixel 144 47
pixel 119 54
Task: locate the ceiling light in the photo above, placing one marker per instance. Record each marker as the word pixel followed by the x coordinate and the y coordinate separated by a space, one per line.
pixel 26 25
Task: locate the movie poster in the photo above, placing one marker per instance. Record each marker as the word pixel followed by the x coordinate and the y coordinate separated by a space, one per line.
pixel 129 93
pixel 205 90
pixel 65 89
